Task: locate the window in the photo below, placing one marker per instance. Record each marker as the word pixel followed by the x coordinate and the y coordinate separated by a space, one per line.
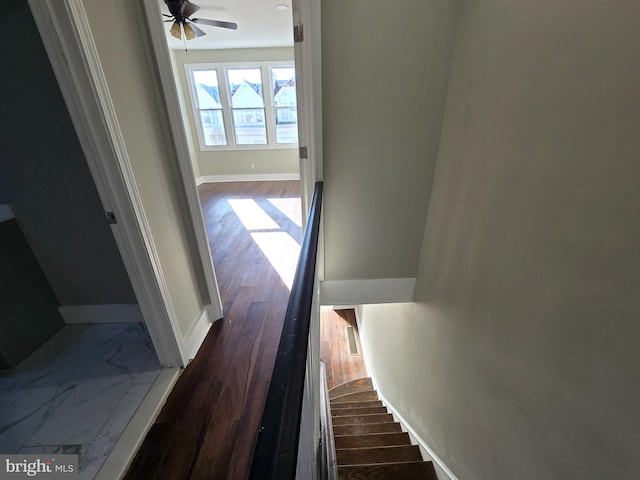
pixel 244 106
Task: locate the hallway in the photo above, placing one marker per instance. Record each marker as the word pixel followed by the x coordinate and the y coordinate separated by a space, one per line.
pixel 209 423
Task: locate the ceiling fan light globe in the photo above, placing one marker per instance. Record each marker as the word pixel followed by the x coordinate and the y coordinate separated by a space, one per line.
pixel 176 31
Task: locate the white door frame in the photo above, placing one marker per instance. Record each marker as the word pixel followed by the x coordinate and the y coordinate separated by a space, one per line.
pixel 67 38
pixel 308 63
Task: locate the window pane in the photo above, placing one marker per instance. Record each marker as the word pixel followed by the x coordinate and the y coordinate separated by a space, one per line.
pixel 283 82
pixel 286 125
pixel 250 126
pixel 207 91
pixel 213 127
pixel 245 87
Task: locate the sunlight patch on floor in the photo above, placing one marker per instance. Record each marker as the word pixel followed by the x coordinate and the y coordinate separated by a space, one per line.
pixel 252 216
pixel 291 207
pixel 278 246
pixel 282 251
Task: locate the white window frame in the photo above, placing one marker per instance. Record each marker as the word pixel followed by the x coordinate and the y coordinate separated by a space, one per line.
pixel 225 98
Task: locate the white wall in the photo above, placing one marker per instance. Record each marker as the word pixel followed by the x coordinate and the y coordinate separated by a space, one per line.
pixel 121 39
pixel 385 67
pixel 228 163
pixel 520 359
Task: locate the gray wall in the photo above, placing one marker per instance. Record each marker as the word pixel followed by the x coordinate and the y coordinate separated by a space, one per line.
pixel 44 175
pixel 520 358
pixel 385 67
pixel 28 305
pixel 225 163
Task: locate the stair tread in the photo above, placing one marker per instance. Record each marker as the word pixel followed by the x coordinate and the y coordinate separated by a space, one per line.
pixel 372 440
pixel 360 419
pixel 375 455
pixel 363 404
pixel 356 397
pixel 341 412
pixel 393 471
pixel 366 428
pixel 357 385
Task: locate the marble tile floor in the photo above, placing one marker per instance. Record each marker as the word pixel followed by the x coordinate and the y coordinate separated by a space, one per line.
pixel 77 393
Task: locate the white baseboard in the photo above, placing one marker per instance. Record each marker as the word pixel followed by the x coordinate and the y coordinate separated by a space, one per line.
pixel 194 339
pixel 258 177
pixel 358 292
pixel 442 471
pixel 118 461
pixel 117 313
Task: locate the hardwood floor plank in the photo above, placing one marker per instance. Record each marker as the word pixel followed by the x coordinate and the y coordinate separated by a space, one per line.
pixel 340 366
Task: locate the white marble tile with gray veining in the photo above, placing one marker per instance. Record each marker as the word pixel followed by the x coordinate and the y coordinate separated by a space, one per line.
pixel 151 369
pixel 74 362
pixel 85 411
pixel 25 414
pixel 11 381
pixel 134 333
pixel 57 449
pixel 95 455
pixel 77 393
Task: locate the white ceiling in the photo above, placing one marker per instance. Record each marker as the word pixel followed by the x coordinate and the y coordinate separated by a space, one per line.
pixel 260 24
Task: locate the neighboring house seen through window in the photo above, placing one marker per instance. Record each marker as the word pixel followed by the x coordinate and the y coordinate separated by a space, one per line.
pixel 235 110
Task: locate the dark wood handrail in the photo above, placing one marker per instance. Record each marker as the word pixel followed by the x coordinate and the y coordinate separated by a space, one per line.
pixel 276 450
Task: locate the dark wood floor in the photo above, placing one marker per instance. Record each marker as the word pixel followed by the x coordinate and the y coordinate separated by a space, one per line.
pixel 208 426
pixel 340 365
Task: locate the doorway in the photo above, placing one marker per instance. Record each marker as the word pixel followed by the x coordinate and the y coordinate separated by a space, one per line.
pixel 230 94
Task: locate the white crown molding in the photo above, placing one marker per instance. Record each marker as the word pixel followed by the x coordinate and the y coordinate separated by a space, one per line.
pixel 356 292
pixel 258 177
pixel 66 34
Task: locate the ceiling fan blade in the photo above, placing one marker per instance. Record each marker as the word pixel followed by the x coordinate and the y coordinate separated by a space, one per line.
pixel 198 32
pixel 188 8
pixel 215 23
pixel 175 30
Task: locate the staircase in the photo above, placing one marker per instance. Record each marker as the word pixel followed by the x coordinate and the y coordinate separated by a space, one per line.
pixel 369 444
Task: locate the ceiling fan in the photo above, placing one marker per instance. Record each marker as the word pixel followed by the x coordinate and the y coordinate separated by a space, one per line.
pixel 181 12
